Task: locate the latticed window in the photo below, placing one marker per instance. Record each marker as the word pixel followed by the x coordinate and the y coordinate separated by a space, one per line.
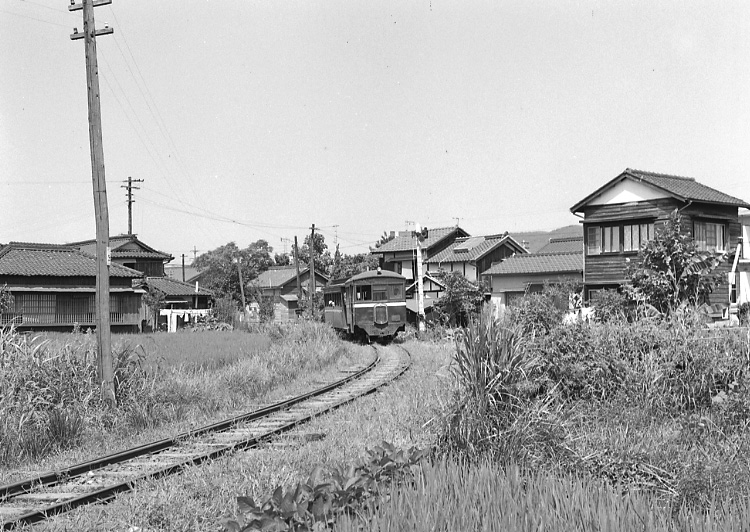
pixel 709 236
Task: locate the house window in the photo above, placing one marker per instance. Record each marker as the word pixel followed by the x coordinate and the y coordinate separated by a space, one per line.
pixel 636 235
pixel 709 236
pixel 594 244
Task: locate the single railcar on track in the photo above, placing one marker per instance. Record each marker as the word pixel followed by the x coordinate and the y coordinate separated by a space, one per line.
pixel 369 305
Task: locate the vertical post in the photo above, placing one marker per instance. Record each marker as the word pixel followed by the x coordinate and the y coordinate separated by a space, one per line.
pixel 183 267
pixel 130 200
pixel 103 332
pixel 312 272
pixel 420 288
pixel 296 264
pixel 242 286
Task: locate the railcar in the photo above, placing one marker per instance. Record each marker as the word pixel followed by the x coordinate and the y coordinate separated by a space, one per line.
pixel 369 305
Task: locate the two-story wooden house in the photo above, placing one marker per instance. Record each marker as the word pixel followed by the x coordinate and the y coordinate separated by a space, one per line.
pixel 400 254
pixel 129 251
pixel 471 256
pixel 622 215
pixel 278 285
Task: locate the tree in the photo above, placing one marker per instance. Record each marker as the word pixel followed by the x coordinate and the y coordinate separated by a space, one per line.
pixel 323 260
pixel 6 300
pixel 282 259
pixel 461 299
pixel 154 300
pixel 220 271
pixel 671 271
pixel 385 238
pixel 347 265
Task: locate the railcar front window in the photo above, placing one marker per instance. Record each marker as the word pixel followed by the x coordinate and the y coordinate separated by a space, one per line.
pixel 380 295
pixel 396 291
pixel 364 293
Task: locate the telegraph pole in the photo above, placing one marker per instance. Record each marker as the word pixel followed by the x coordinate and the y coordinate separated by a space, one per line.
pixel 130 200
pixel 103 257
pixel 296 264
pixel 312 271
pixel 420 287
pixel 183 267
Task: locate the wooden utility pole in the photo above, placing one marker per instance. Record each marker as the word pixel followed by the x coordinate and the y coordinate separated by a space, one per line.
pixel 312 272
pixel 296 263
pixel 183 267
pixel 242 286
pixel 420 288
pixel 130 200
pixel 103 257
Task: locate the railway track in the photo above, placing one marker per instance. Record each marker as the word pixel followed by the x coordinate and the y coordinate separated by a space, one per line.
pixel 100 480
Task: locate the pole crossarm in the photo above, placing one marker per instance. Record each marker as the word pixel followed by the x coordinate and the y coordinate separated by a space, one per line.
pixel 77 7
pixel 80 35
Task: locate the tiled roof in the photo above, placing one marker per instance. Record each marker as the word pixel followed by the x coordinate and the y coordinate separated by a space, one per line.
pixel 536 240
pixel 404 241
pixel 115 242
pixel 472 248
pixel 686 187
pixel 279 275
pixel 562 245
pixel 171 287
pixel 682 188
pixel 534 263
pixel 27 259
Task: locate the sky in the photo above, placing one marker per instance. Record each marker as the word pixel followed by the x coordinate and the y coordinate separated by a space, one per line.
pixel 251 119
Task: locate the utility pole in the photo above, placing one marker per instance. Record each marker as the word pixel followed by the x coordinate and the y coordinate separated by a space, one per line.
pixel 296 263
pixel 183 267
pixel 130 200
pixel 195 253
pixel 312 272
pixel 285 241
pixel 335 234
pixel 238 260
pixel 101 211
pixel 420 288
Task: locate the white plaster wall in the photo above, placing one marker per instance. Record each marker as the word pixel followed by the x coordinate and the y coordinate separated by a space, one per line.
pixel 627 191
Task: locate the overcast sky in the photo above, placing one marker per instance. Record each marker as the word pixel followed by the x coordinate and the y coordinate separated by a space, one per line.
pixel 250 119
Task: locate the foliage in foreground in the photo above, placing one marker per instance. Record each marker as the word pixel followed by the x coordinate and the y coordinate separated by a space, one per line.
pixel 451 495
pixel 329 495
pixel 659 406
pixel 50 398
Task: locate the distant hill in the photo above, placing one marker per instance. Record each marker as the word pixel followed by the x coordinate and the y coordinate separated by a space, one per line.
pixel 536 240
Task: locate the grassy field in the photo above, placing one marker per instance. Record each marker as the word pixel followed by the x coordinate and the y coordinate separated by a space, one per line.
pixel 607 426
pixel 51 415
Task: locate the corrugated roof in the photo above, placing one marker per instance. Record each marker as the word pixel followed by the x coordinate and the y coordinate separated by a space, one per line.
pixel 28 259
pixel 172 287
pixel 682 188
pixel 534 263
pixel 473 248
pixel 404 241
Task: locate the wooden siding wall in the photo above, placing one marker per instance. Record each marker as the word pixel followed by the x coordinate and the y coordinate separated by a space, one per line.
pixel 607 269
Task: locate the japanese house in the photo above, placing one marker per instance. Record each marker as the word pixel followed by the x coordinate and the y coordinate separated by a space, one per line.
pixel 278 285
pixel 559 261
pixel 129 251
pixel 472 256
pixel 623 214
pixel 54 288
pixel 182 303
pixel 400 254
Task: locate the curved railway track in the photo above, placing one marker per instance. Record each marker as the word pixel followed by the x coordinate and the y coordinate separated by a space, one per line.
pixel 100 480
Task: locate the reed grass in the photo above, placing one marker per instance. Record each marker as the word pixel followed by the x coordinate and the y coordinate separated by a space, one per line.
pixel 485 496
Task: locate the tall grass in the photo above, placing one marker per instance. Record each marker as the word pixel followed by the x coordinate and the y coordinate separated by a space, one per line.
pixel 50 394
pixel 450 495
pixel 657 406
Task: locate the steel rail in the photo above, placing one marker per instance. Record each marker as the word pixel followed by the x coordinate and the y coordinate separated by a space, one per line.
pixel 109 492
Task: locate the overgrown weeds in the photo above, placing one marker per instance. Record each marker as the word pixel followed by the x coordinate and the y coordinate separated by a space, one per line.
pixel 51 397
